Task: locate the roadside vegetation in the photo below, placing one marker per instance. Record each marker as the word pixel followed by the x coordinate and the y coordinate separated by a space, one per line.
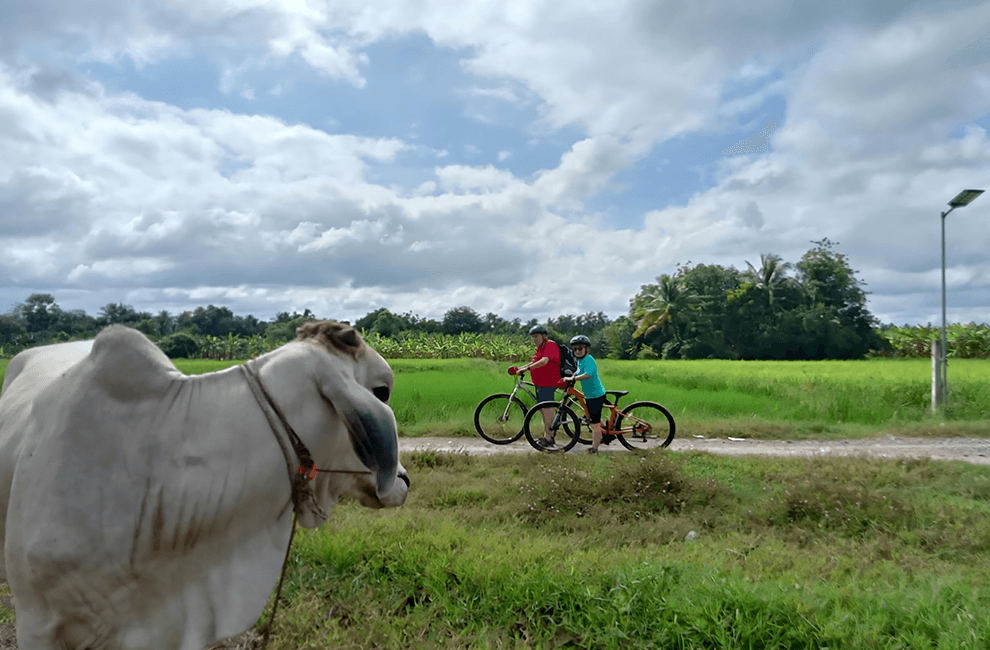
pixel 655 550
pixel 662 549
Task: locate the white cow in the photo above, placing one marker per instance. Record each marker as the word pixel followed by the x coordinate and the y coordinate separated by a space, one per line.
pixel 143 508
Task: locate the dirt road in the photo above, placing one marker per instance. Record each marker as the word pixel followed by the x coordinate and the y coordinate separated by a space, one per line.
pixel 971 450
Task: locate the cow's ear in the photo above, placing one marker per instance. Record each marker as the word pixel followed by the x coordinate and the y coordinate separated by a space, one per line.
pixel 349 337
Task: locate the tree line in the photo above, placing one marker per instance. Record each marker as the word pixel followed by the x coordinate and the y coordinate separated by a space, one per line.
pixel 814 309
pixel 205 331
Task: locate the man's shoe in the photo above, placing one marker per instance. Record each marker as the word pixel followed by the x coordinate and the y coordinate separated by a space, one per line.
pixel 546 444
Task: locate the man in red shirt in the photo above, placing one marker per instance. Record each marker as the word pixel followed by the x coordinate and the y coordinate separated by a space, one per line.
pixel 545 373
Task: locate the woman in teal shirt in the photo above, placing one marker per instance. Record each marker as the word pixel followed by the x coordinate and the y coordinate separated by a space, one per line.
pixel 591 386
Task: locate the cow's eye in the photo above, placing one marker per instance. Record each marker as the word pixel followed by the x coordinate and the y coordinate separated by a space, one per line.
pixel 382 393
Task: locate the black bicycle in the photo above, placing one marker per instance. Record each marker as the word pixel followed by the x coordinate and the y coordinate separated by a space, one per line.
pixel 499 418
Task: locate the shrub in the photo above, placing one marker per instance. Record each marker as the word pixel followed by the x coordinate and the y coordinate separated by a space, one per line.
pixel 179 346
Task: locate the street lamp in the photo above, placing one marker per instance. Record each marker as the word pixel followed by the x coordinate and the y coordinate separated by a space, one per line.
pixel 962 199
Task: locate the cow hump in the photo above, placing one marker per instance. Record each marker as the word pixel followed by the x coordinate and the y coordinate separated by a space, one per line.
pixel 129 366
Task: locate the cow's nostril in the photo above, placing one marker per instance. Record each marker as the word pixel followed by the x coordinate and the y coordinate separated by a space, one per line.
pixel 404 478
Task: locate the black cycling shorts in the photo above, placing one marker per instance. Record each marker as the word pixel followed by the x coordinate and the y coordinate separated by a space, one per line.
pixel 595 405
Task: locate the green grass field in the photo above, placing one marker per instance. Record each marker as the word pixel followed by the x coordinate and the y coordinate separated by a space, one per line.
pixel 593 552
pixel 765 399
pixel 748 398
pixel 536 551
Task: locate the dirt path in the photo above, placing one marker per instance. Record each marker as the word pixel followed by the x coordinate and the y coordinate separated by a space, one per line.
pixel 971 450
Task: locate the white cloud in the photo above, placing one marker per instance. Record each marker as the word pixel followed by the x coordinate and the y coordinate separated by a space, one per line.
pixel 123 267
pixel 358 232
pixel 460 179
pixel 584 170
pixel 503 93
pixel 105 190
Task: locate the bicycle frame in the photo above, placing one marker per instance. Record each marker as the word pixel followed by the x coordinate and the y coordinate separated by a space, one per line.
pixel 521 385
pixel 572 394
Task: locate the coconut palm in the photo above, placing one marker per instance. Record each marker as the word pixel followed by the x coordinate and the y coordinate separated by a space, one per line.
pixel 771 275
pixel 659 304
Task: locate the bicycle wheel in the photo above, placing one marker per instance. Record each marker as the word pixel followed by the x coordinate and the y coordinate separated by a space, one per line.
pixel 581 438
pixel 566 426
pixel 585 423
pixel 643 425
pixel 499 418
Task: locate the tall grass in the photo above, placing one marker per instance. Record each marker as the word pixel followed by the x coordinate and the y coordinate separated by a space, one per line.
pixel 547 552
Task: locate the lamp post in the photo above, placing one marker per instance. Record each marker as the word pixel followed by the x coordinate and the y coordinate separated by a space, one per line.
pixel 962 199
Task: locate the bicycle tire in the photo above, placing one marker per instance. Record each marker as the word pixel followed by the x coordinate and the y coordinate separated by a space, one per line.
pixel 570 428
pixel 489 422
pixel 661 426
pixel 584 421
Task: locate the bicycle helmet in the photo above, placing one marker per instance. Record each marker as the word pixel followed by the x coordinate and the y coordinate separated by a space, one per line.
pixel 580 339
pixel 537 329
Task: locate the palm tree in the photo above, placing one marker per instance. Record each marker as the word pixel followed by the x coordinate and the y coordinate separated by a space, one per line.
pixel 165 323
pixel 659 304
pixel 771 275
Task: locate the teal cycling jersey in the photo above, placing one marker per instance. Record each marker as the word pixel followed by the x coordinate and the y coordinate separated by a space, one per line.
pixel 592 386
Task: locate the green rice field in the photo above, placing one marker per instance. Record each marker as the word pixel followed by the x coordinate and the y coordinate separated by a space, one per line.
pixel 769 399
pixel 766 399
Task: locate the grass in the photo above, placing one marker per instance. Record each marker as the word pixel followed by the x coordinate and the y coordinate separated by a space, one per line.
pixel 765 399
pixel 6 612
pixel 650 550
pixel 664 549
pixel 578 552
pixel 754 399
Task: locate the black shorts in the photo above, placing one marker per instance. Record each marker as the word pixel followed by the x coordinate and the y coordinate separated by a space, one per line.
pixel 546 394
pixel 595 405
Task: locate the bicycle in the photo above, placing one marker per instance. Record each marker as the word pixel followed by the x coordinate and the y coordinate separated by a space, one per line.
pixel 640 425
pixel 499 418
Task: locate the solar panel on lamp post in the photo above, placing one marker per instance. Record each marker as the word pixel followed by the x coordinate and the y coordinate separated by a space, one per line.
pixel 962 199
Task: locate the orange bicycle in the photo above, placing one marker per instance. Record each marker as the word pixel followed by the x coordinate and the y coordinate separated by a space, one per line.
pixel 641 425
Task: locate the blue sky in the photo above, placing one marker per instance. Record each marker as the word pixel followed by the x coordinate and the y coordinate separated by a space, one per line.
pixel 526 158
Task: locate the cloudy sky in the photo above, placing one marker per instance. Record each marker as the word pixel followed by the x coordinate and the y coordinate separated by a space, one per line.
pixel 530 158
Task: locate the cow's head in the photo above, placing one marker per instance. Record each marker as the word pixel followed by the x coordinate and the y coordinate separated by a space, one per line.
pixel 355 384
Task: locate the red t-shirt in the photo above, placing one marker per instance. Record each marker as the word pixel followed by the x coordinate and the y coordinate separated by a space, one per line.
pixel 548 375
